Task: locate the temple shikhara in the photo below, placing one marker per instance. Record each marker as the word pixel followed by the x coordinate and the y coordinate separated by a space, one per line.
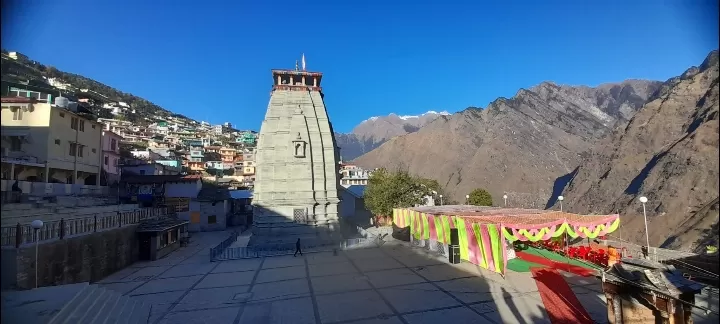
pixel 296 184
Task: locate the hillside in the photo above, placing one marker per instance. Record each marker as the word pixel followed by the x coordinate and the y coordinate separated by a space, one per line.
pixel 667 152
pixel 27 70
pixel 374 131
pixel 527 145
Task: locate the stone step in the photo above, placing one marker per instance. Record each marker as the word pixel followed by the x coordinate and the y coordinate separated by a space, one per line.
pixel 70 307
pixel 114 314
pixel 96 305
pixel 99 314
pixel 86 315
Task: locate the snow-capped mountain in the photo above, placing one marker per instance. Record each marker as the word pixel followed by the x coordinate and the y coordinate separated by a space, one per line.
pixel 374 131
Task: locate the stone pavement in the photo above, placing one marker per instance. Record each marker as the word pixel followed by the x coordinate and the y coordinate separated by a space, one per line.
pixel 387 285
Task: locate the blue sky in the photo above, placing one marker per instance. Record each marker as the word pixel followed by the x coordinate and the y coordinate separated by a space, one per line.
pixel 211 60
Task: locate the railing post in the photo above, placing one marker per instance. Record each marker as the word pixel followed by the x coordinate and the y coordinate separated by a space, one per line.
pixel 119 219
pixel 95 230
pixel 18 235
pixel 62 228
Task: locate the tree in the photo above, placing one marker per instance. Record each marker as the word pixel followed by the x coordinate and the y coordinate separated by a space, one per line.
pixel 388 190
pixel 480 197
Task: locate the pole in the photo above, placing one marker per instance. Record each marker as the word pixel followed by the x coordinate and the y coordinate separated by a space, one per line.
pixel 37 243
pixel 561 206
pixel 647 235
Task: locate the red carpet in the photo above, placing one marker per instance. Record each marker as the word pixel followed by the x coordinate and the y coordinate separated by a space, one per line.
pixel 580 271
pixel 560 302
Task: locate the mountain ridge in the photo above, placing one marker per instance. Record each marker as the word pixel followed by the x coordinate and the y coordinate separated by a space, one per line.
pixel 543 132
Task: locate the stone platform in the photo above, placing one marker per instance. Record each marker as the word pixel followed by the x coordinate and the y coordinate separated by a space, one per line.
pixel 387 285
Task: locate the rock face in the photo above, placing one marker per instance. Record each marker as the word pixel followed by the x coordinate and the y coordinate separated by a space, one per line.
pixel 296 178
pixel 374 131
pixel 527 146
pixel 668 152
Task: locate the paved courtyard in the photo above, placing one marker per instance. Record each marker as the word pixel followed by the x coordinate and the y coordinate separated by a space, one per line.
pixel 387 285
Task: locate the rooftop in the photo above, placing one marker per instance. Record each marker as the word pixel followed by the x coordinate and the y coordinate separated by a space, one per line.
pixel 157 225
pixel 147 179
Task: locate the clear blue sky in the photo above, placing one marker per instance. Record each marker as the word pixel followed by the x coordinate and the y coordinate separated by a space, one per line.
pixel 211 60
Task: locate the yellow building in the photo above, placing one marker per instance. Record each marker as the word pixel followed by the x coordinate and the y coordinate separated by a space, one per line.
pixel 46 143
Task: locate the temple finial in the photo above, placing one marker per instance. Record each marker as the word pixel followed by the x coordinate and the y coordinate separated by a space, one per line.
pixel 303 62
pixel 296 65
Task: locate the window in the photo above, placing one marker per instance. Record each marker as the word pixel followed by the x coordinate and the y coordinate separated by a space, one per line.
pixel 15 143
pixel 62 115
pixel 94 150
pixel 212 219
pixel 113 144
pixel 74 123
pixel 93 126
pixel 82 125
pixel 81 148
pixel 106 160
pixel 163 240
pixel 73 149
pixel 57 142
pixel 17 113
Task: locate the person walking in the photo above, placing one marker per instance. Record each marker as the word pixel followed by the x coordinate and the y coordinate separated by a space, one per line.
pixel 297 248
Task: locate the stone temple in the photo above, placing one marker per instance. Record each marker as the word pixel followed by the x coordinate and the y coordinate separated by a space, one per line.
pixel 296 180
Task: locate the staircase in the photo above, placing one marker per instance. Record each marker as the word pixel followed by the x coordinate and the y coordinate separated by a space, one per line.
pixel 88 304
pixel 102 306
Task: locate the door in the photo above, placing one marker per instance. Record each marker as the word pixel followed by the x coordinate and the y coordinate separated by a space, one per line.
pixel 145 246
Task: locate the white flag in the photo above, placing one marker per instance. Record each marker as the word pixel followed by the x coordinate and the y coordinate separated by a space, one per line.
pixel 303 61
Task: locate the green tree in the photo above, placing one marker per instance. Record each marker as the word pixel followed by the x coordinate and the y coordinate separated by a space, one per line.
pixel 480 197
pixel 387 190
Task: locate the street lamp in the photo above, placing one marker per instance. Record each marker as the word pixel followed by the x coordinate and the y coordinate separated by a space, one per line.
pixel 441 201
pixel 644 200
pixel 561 198
pixel 36 225
pixel 505 199
pixel 467 199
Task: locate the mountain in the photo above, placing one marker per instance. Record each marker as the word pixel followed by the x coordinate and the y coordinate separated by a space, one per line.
pixel 374 131
pixel 668 152
pixel 23 70
pixel 527 146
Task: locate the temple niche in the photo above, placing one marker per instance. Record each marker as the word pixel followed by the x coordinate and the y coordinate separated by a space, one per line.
pixel 296 183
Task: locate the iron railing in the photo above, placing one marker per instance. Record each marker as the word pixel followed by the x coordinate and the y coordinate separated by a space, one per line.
pixel 223 252
pixel 24 233
pixel 223 245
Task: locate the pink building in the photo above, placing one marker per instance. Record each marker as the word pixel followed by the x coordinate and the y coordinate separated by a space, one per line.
pixel 111 157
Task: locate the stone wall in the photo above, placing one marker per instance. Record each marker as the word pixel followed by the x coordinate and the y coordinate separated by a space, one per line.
pixel 89 257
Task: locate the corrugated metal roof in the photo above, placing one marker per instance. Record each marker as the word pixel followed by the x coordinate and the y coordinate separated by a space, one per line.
pixel 357 190
pixel 241 194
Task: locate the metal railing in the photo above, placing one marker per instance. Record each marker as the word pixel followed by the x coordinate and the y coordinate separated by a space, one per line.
pixel 223 245
pixel 24 233
pixel 223 252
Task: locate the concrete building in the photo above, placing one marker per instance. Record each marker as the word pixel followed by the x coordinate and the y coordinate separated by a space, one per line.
pixel 296 180
pixel 47 143
pixel 352 175
pixel 111 156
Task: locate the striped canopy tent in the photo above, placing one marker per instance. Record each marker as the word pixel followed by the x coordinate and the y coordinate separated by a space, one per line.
pixel 484 231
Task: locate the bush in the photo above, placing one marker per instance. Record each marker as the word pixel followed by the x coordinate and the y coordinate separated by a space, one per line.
pixel 480 197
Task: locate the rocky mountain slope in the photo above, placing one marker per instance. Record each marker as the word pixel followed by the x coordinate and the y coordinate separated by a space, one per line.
pixel 526 146
pixel 27 71
pixel 374 131
pixel 668 152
